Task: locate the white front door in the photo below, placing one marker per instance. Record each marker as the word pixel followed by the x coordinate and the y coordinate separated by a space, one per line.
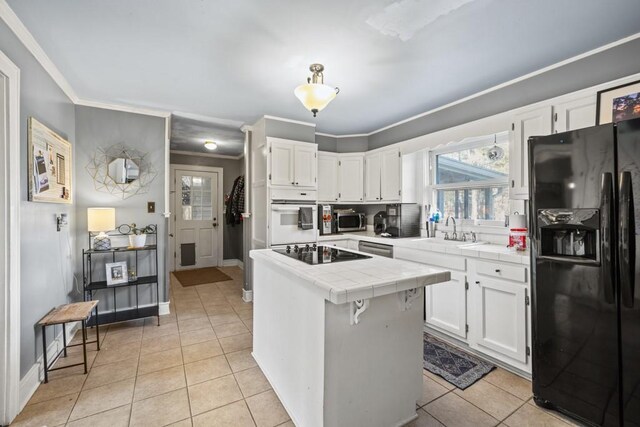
pixel 197 222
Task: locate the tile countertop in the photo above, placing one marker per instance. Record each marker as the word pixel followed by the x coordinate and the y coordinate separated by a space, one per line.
pixel 360 279
pixel 480 250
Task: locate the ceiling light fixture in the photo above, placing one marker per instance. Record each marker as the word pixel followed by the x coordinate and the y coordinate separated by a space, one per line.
pixel 210 145
pixel 315 95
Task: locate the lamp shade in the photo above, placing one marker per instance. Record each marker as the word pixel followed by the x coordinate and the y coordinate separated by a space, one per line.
pixel 315 96
pixel 101 219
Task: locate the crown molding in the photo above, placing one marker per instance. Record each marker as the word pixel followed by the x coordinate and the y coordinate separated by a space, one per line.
pixel 282 119
pixel 124 108
pixel 27 39
pixel 197 154
pixel 355 135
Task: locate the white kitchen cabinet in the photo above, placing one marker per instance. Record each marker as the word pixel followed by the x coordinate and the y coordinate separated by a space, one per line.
pixel 537 121
pixel 281 154
pixel 575 114
pixel 305 164
pixel 390 176
pixel 352 244
pixel 372 165
pixel 383 176
pixel 500 323
pixel 351 177
pixel 292 163
pixel 446 305
pixel 328 171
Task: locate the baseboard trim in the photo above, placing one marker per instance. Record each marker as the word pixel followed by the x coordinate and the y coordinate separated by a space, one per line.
pixel 232 263
pixel 32 379
pixel 247 296
pixel 163 309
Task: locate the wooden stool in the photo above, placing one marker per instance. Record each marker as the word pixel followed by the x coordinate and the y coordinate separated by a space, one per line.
pixel 76 312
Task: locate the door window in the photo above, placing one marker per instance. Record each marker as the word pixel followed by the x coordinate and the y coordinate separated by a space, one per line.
pixel 197 203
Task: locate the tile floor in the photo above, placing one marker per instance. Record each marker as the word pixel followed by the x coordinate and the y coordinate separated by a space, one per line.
pixel 196 369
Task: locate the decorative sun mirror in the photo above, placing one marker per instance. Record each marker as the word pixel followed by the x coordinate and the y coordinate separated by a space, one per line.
pixel 123 171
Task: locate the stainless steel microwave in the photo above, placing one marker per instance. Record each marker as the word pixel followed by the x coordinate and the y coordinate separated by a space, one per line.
pixel 350 221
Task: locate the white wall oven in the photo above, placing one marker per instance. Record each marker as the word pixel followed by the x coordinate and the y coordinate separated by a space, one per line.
pixel 284 228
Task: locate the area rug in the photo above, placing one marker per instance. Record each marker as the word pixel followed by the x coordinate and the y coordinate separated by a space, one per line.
pixel 454 365
pixel 200 276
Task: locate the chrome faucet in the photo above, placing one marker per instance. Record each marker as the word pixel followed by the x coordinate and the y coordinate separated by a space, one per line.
pixel 454 236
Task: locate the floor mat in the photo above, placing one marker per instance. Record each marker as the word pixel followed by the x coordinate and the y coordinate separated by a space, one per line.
pixel 454 365
pixel 200 276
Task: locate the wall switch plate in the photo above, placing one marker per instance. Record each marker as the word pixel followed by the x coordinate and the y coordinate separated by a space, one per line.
pixel 61 221
pixel 151 207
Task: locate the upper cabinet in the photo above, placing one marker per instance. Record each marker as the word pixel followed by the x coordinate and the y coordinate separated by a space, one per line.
pixel 575 114
pixel 328 177
pixel 340 177
pixel 292 163
pixel 383 176
pixel 372 166
pixel 391 176
pixel 305 165
pixel 351 178
pixel 537 121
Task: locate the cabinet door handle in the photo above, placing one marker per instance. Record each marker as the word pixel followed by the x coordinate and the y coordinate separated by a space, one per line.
pixel 497 270
pixel 296 183
pixel 477 282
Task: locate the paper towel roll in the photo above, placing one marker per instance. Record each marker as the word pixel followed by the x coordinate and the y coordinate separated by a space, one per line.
pixel 517 221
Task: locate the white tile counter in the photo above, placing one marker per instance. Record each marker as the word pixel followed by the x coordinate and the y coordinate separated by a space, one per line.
pixel 480 250
pixel 353 280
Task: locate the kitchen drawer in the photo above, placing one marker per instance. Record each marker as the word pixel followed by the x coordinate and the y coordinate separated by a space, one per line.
pixel 502 271
pixel 436 259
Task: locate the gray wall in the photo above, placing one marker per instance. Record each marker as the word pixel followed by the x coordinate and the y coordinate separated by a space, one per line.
pixel 46 255
pixel 231 169
pixel 95 128
pixel 289 130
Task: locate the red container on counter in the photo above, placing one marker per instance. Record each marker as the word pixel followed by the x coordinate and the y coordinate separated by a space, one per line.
pixel 518 238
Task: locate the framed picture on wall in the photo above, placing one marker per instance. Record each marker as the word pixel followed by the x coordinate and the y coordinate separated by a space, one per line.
pixel 49 165
pixel 618 103
pixel 117 273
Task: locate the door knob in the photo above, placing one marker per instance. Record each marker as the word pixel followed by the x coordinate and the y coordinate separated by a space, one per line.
pixel 170 234
pixel 215 224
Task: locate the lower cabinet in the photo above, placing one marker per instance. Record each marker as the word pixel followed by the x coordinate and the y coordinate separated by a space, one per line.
pixel 500 317
pixel 446 305
pixel 485 305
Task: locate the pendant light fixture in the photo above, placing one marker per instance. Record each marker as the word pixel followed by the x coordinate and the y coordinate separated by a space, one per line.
pixel 315 95
pixel 496 152
pixel 210 145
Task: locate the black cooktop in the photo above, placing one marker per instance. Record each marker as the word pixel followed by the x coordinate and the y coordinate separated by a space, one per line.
pixel 319 254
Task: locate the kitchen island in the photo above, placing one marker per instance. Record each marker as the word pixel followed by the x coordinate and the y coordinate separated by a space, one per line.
pixel 341 342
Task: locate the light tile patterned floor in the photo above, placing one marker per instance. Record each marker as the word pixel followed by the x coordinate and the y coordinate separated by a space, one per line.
pixel 196 369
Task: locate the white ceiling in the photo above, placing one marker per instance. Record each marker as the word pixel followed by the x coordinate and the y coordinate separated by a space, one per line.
pixel 238 60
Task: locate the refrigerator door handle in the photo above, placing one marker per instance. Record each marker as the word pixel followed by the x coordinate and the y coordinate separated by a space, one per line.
pixel 606 225
pixel 627 241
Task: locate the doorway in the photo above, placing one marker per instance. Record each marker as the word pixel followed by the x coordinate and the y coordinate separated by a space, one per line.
pixel 197 235
pixel 9 240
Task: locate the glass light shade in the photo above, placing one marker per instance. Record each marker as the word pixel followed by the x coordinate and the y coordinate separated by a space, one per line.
pixel 210 145
pixel 315 96
pixel 101 219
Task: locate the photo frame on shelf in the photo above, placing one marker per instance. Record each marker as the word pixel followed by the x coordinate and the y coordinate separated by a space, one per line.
pixel 117 273
pixel 48 164
pixel 618 103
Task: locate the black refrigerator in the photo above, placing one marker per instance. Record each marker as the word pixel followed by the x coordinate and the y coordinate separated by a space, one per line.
pixel 584 189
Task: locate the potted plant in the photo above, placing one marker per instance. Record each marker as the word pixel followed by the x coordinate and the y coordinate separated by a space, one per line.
pixel 138 236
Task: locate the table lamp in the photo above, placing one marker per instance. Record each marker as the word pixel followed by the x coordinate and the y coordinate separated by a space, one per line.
pixel 101 220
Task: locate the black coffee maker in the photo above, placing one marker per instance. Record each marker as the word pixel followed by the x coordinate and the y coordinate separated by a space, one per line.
pixel 380 222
